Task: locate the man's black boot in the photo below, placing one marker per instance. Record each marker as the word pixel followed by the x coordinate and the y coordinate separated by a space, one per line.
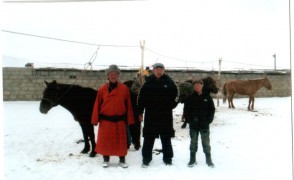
pixel 208 160
pixel 192 161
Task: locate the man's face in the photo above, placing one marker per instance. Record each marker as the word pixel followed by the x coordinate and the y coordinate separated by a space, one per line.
pixel 198 87
pixel 158 72
pixel 113 77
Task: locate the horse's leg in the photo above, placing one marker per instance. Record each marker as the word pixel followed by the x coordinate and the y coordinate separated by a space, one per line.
pixel 91 135
pixel 251 103
pixel 229 100
pixel 250 100
pixel 184 125
pixel 232 97
pixel 87 145
pixel 183 119
pixel 184 122
pixel 135 130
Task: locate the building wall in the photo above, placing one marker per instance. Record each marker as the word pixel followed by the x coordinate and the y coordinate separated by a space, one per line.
pixel 27 84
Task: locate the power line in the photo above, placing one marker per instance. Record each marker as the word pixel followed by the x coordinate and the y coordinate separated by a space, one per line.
pixel 56 1
pixel 130 46
pixel 65 40
pixel 169 57
pixel 245 63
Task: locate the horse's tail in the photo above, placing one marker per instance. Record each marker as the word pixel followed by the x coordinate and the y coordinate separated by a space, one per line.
pixel 224 93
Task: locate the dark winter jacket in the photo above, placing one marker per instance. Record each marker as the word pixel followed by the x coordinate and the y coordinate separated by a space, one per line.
pixel 199 111
pixel 158 98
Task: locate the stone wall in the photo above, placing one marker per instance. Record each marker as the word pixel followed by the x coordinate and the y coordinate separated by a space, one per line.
pixel 26 84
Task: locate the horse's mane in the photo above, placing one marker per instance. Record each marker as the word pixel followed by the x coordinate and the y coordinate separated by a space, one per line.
pixel 72 86
pixel 208 79
pixel 128 83
pixel 73 90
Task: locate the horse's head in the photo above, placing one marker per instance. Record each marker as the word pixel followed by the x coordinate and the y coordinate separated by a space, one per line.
pixel 128 83
pixel 210 84
pixel 185 89
pixel 50 97
pixel 267 84
pixel 134 85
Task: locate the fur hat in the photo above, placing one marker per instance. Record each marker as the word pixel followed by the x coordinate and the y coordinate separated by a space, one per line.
pixel 112 68
pixel 156 65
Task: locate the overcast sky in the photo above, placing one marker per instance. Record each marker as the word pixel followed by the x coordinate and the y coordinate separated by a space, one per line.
pixel 191 33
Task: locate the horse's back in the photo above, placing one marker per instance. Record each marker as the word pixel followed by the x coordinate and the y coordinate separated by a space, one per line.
pixel 84 99
pixel 84 95
pixel 242 87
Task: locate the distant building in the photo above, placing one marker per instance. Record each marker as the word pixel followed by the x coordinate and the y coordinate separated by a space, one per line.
pixel 29 65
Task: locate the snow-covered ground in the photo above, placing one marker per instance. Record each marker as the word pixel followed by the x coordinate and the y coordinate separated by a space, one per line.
pixel 245 145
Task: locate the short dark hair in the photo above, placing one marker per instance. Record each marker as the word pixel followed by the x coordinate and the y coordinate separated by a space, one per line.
pixel 197 81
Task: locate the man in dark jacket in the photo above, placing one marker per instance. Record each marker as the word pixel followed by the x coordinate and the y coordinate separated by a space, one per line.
pixel 158 97
pixel 199 113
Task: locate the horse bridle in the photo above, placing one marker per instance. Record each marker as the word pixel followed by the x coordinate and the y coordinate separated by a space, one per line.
pixel 51 102
pixel 56 99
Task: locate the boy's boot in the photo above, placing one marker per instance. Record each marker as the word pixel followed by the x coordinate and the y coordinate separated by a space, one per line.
pixel 208 160
pixel 192 161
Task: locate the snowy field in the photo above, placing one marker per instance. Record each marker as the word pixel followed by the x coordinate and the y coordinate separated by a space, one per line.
pixel 245 145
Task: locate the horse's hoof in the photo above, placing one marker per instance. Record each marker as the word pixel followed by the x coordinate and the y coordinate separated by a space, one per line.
pixel 137 147
pixel 85 151
pixel 92 154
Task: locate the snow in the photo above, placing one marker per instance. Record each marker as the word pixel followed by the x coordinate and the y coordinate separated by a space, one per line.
pixel 245 145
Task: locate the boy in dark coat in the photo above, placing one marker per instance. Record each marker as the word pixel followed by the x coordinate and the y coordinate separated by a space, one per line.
pixel 158 98
pixel 199 113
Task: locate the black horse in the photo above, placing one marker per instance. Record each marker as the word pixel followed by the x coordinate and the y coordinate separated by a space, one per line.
pixel 134 87
pixel 186 89
pixel 76 99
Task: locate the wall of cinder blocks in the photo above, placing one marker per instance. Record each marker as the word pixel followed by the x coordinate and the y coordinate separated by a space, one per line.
pixel 27 84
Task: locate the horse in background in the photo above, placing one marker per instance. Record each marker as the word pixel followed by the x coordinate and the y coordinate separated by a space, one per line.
pixel 186 89
pixel 244 87
pixel 134 137
pixel 79 101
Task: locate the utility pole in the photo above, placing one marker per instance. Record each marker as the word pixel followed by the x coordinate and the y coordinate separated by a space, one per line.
pixel 142 45
pixel 218 78
pixel 275 61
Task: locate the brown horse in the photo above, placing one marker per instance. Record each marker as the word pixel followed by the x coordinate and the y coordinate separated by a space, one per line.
pixel 244 87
